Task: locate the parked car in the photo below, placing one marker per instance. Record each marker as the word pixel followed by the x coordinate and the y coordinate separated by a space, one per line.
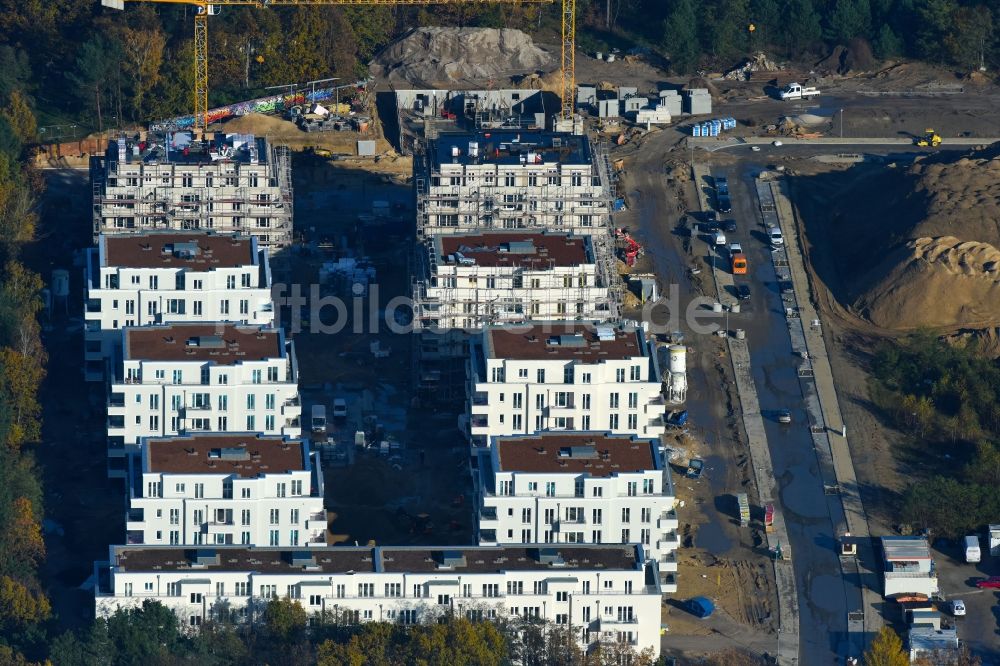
pixel 743 292
pixel 721 185
pixel 718 238
pixel 735 248
pixel 723 204
pixel 339 408
pixel 774 235
pixel 991 583
pixel 784 416
pixel 958 607
pixel 729 226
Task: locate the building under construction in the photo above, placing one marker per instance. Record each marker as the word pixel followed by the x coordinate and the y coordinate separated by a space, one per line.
pixel 521 186
pixel 508 179
pixel 470 280
pixel 229 183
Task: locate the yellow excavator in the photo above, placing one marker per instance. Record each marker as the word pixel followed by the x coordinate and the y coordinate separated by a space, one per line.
pixel 930 138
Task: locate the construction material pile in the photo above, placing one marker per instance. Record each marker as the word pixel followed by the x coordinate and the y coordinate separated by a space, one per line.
pixel 745 71
pixel 430 56
pixel 925 244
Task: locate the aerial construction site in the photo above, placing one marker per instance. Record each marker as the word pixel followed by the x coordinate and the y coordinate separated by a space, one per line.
pixel 532 333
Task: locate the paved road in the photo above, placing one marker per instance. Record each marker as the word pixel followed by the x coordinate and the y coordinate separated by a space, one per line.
pixel 810 515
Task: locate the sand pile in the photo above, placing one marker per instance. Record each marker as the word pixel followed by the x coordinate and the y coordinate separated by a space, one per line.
pixel 920 247
pixel 430 56
pixel 937 282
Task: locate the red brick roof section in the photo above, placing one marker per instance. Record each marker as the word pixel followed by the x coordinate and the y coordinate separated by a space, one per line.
pixel 536 342
pixel 596 454
pixel 487 249
pixel 155 250
pixel 222 344
pixel 202 454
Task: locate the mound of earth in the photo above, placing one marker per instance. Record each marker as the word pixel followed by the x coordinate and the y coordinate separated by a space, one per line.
pixel 921 247
pixel 428 56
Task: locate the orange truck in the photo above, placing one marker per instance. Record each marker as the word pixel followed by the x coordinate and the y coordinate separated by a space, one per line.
pixel 739 263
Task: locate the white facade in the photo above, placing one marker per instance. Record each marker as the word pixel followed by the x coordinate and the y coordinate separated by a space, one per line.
pixel 563 376
pixel 603 593
pixel 908 567
pixel 169 277
pixel 227 489
pixel 507 180
pixel 234 183
pixel 191 378
pixel 579 488
pixel 474 279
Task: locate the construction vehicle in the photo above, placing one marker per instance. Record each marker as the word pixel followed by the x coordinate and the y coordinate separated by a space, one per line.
pixel 929 139
pixel 797 91
pixel 629 248
pixel 206 8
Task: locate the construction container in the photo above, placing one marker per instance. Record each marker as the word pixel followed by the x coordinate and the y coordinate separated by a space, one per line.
pixel 633 104
pixel 994 537
pixel 672 101
pixel 607 108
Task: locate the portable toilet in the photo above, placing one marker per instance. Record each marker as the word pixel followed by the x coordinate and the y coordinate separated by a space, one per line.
pixel 696 130
pixel 714 129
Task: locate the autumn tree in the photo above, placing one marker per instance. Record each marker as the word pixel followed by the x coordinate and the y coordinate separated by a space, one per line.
pixel 21 118
pixel 142 55
pixel 285 619
pixel 886 650
pixel 20 606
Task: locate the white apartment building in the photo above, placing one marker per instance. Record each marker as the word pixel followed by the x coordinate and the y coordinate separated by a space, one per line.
pixel 169 277
pixel 473 279
pixel 224 489
pixel 908 568
pixel 184 379
pixel 582 487
pixel 562 376
pixel 235 183
pixel 510 179
pixel 602 593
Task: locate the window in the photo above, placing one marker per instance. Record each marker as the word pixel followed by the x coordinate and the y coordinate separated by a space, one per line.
pixel 597 517
pixel 516 398
pixel 245 517
pixel 613 422
pixel 274 539
pixel 613 401
pixel 245 493
pixel 272 376
pixel 315 599
pixel 252 399
pixel 281 490
pixel 540 375
pixel 625 539
pixel 633 421
pixel 522 373
pixel 517 422
pixel 595 536
pixel 275 516
pixel 515 587
pixel 244 307
pixel 491 590
pixel 242 589
pixel 526 515
pixel 269 422
pixel 255 378
pixel 562 618
pixel 620 375
pixel 269 591
pixel 393 589
pixel 199 490
pixel 296 488
pixel 648 487
pixel 550 488
pixel 633 400
pixel 175 537
pixel 632 487
pixel 636 373
pixel 444 599
pixel 293 537
pixel 626 514
pixel 177 376
pixel 294 519
pixel 251 422
pixel 175 516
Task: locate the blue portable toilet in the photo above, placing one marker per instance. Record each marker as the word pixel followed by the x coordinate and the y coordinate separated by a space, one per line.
pixel 714 129
pixel 701 607
pixel 696 130
pixel 732 122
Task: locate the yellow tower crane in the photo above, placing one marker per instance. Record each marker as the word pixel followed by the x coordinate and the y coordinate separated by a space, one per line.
pixel 206 9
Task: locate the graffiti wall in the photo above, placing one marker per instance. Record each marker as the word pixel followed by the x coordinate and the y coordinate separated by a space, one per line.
pixel 274 104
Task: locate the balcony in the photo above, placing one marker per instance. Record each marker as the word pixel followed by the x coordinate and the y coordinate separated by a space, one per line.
pixel 480 398
pixel 667 520
pixel 93 305
pixel 670 541
pixel 134 519
pixel 316 540
pixel 316 521
pixel 487 537
pixel 488 513
pixel 134 538
pixel 199 407
pixel 116 400
pixel 668 582
pixel 668 563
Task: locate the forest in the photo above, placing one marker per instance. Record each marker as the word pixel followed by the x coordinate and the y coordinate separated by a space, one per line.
pixel 947 401
pixel 97 68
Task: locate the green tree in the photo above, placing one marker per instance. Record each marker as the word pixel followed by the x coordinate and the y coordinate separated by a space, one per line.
pixel 766 18
pixel 849 19
pixel 933 19
pixel 969 33
pixel 285 619
pixel 801 27
pixel 92 76
pixel 144 635
pixel 887 44
pixel 680 36
pixel 886 650
pixel 15 70
pixel 21 118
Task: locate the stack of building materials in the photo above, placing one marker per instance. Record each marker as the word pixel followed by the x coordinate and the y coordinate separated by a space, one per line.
pixel 697 101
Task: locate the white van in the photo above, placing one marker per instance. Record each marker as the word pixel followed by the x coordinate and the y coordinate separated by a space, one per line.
pixel 319 418
pixel 972 552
